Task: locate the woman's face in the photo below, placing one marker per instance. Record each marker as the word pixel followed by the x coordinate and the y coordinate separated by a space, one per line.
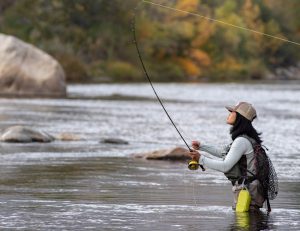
pixel 231 118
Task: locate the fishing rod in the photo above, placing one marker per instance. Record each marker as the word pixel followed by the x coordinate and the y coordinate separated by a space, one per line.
pixel 193 164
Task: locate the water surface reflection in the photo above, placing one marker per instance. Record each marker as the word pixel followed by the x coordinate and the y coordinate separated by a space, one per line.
pixel 86 184
pixel 113 193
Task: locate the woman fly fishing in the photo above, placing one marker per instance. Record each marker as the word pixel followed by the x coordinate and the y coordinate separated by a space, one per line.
pixel 237 160
pixel 240 160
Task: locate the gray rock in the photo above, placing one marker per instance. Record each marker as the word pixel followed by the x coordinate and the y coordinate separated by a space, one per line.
pixel 27 71
pixel 287 73
pixel 21 134
pixel 114 141
pixel 176 153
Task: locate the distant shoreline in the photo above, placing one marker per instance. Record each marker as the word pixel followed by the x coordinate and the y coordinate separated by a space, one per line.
pixel 296 81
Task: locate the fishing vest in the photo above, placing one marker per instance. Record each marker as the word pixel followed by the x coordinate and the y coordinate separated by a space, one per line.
pixel 245 167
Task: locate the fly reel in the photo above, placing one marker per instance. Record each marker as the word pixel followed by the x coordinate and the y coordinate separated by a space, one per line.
pixel 193 165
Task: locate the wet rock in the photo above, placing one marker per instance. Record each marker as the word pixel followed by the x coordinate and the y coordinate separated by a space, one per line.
pixel 21 134
pixel 27 71
pixel 68 137
pixel 114 141
pixel 176 153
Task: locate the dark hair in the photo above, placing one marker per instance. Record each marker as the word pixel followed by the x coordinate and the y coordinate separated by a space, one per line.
pixel 243 126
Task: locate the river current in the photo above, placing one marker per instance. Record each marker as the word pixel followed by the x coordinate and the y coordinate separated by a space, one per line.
pixel 87 184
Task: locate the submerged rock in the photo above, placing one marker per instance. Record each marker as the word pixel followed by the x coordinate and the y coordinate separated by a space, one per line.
pixel 114 141
pixel 21 134
pixel 28 71
pixel 176 153
pixel 68 137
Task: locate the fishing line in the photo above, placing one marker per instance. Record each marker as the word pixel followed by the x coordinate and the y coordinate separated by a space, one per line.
pixel 222 22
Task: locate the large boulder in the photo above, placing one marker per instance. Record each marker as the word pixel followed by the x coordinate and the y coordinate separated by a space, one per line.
pixel 21 134
pixel 27 71
pixel 176 153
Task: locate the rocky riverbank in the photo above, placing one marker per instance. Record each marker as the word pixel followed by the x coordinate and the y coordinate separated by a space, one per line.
pixel 288 73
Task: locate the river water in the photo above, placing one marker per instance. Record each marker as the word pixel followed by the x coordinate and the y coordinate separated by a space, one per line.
pixel 89 185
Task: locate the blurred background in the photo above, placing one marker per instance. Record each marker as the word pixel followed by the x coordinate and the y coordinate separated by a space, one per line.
pixel 92 39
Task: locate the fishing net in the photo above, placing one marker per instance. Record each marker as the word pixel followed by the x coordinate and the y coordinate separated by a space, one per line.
pixel 266 173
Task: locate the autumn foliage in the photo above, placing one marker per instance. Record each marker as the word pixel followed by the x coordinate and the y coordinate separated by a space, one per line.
pixel 96 37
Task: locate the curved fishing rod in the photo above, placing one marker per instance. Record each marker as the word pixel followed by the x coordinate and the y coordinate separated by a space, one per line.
pixel 193 165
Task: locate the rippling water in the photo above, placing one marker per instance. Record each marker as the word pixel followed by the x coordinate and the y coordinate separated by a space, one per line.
pixel 87 184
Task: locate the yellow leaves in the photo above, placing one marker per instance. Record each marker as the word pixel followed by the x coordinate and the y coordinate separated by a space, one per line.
pixel 184 7
pixel 204 30
pixel 187 5
pixel 200 57
pixel 189 67
pixel 229 63
pixel 183 29
pixel 193 62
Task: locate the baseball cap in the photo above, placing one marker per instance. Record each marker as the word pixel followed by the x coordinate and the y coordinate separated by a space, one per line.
pixel 245 109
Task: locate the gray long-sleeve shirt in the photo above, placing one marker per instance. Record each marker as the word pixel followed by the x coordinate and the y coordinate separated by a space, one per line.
pixel 240 146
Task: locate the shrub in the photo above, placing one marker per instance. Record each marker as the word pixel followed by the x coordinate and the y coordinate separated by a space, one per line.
pixel 122 71
pixel 74 69
pixel 256 70
pixel 166 71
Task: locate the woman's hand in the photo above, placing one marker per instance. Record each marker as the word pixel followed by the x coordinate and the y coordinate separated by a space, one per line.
pixel 195 145
pixel 195 155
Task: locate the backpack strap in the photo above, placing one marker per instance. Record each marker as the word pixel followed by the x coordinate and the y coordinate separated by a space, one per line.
pixel 253 143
